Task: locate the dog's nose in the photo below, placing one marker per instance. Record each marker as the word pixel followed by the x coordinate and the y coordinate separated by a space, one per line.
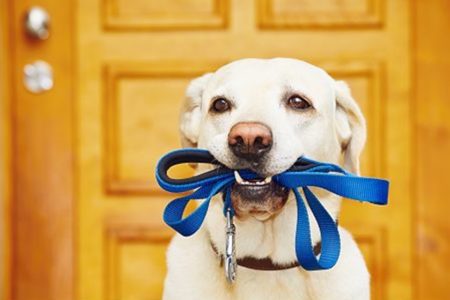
pixel 250 140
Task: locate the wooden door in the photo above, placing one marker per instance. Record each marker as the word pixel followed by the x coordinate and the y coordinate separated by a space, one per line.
pixel 135 59
pixel 132 61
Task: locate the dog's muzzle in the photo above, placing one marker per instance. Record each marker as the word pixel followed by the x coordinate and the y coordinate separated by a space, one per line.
pixel 260 197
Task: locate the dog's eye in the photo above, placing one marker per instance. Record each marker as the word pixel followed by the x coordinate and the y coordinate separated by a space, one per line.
pixel 298 103
pixel 220 105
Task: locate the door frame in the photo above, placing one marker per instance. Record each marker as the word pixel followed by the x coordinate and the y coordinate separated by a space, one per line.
pixel 430 74
pixel 37 142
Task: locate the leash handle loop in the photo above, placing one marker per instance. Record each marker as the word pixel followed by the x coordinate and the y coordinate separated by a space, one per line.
pixel 303 174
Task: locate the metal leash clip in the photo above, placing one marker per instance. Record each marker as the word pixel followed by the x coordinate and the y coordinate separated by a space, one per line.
pixel 230 249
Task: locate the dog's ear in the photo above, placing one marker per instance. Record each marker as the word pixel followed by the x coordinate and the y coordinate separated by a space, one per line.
pixel 350 126
pixel 190 115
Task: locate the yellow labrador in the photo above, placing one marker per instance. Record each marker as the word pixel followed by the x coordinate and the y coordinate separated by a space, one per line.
pixel 263 114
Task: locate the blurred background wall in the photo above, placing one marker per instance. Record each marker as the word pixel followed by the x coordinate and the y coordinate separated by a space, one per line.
pixel 80 209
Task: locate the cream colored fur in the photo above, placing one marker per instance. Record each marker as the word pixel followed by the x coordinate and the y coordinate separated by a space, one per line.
pixel 334 132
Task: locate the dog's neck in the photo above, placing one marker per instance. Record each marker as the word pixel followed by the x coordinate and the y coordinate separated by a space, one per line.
pixel 273 238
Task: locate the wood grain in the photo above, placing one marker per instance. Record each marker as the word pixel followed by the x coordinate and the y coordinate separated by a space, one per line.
pixel 43 154
pixel 5 155
pixel 432 143
pixel 129 91
pixel 139 15
pixel 129 249
pixel 289 14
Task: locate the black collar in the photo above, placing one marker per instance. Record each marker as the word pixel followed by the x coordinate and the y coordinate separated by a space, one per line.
pixel 263 264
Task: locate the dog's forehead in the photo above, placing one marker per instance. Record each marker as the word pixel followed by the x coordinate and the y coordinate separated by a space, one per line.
pixel 277 72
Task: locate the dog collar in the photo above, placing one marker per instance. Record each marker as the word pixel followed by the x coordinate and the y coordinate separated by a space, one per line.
pixel 263 264
pixel 303 174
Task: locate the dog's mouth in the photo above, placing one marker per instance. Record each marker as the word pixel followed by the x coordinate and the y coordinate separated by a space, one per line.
pixel 259 197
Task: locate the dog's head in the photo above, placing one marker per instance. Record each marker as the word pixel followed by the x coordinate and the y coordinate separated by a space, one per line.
pixel 263 114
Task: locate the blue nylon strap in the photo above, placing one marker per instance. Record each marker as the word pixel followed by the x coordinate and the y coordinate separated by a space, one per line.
pixel 173 214
pixel 311 173
pixel 328 231
pixel 366 189
pixel 227 202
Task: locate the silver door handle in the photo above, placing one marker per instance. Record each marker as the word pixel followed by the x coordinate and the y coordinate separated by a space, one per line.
pixel 37 23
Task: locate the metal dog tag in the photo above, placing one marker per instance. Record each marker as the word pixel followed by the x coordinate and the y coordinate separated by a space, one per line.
pixel 230 249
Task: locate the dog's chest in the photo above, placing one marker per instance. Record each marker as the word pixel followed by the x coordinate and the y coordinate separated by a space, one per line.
pixel 289 284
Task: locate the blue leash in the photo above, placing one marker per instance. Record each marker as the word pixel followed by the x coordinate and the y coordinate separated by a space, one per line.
pixel 303 174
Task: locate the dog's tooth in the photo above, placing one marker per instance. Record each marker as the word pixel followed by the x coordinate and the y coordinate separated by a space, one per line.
pixel 268 179
pixel 238 178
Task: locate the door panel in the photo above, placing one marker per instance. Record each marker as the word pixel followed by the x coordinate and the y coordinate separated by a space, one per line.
pixel 154 14
pixel 139 129
pixel 135 261
pixel 134 62
pixel 320 14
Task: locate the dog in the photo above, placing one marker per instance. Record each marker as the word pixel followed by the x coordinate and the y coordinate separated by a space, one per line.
pixel 262 114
